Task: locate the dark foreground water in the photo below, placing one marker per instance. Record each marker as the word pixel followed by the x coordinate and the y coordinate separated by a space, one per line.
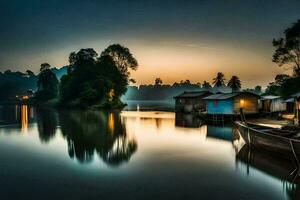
pixel 46 154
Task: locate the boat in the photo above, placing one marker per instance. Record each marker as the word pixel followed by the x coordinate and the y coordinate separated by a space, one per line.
pixel 284 143
pixel 250 161
pixel 268 163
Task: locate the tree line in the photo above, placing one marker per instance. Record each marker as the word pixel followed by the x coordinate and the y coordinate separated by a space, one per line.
pixel 160 91
pixel 91 80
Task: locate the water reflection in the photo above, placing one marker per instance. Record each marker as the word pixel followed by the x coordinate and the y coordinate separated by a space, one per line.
pixel 188 120
pixel 208 160
pixel 90 132
pixel 47 121
pixel 253 162
pixel 21 115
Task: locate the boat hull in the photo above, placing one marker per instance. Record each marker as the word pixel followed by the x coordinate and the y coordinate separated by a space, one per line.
pixel 257 138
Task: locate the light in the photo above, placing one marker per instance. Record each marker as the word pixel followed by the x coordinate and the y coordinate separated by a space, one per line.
pixel 111 123
pixel 111 95
pixel 242 103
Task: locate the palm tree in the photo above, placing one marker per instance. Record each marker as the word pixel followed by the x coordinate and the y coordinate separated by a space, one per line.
pixel 234 83
pixel 219 80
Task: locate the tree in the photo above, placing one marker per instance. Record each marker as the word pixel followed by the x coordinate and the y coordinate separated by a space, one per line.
pixel 206 85
pixel 44 66
pixel 290 86
pixel 29 73
pixel 280 79
pixel 234 83
pixel 83 83
pixel 287 48
pixel 258 89
pixel 219 80
pixel 47 84
pixel 122 57
pixel 158 81
pixel 93 80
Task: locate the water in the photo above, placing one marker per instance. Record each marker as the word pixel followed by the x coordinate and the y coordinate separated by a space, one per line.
pixel 45 154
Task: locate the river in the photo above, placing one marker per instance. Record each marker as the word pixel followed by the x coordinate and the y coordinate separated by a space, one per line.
pixel 49 154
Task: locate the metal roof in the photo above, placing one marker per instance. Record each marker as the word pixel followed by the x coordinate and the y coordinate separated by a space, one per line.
pixel 221 96
pixel 296 94
pixel 270 97
pixel 290 100
pixel 226 96
pixel 192 94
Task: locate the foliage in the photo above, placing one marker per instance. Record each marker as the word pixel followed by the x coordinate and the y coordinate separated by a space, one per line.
pixel 123 59
pixel 283 85
pixel 234 83
pixel 15 83
pixel 162 92
pixel 47 84
pixel 290 86
pixel 287 48
pixel 219 80
pixel 206 85
pixel 158 81
pixel 93 80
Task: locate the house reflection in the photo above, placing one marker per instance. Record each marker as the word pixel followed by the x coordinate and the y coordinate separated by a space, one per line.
pixel 281 171
pixel 90 132
pixel 187 120
pixel 223 132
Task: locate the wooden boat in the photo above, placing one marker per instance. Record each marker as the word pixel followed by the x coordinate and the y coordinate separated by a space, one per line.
pixel 282 142
pixel 268 163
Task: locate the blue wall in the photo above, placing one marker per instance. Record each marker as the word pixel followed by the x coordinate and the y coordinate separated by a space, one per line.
pixel 222 106
pixel 220 132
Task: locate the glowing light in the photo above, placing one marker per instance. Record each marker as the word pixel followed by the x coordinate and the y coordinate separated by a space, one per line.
pixel 242 103
pixel 24 118
pixel 111 95
pixel 25 97
pixel 111 123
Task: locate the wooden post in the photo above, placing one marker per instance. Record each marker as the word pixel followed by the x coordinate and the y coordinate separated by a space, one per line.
pixel 296 112
pixel 243 118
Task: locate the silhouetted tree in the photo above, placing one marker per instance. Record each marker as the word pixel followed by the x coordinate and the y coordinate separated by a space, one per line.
pixel 219 80
pixel 44 66
pixel 280 79
pixel 287 48
pixel 158 81
pixel 122 57
pixel 29 73
pixel 47 84
pixel 206 85
pixel 258 89
pixel 234 83
pixel 93 80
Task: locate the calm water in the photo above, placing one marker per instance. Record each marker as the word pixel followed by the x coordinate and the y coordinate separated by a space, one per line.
pixel 46 154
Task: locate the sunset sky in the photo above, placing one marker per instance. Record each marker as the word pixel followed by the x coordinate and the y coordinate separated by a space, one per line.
pixel 171 39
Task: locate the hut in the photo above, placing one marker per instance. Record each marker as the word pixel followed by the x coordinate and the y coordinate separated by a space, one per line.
pixel 191 101
pixel 271 103
pixel 230 104
pixel 290 105
pixel 296 97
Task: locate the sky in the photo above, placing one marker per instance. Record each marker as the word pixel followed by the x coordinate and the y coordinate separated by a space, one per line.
pixel 171 39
